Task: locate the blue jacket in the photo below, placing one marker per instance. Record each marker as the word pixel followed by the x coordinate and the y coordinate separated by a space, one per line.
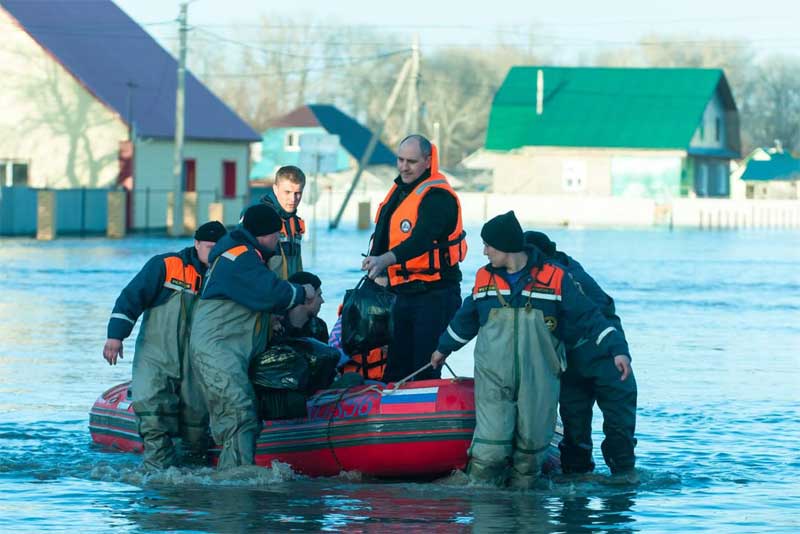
pixel 590 287
pixel 571 316
pixel 239 273
pixel 151 288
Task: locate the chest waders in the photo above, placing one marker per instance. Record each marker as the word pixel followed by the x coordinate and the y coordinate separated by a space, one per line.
pixel 517 366
pixel 225 337
pixel 285 266
pixel 165 393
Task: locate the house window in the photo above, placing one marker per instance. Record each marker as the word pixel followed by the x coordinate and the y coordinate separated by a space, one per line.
pixel 229 179
pixel 189 175
pixel 701 180
pixel 716 129
pixel 13 173
pixel 292 142
pixel 573 175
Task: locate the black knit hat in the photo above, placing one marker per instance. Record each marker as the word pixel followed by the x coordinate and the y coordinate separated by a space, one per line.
pixel 305 277
pixel 503 233
pixel 210 231
pixel 540 241
pixel 261 220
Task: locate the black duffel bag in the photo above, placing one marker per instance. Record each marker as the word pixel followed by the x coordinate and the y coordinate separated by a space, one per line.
pixel 367 321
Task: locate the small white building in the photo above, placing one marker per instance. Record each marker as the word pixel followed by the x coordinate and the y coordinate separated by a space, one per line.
pixel 87 99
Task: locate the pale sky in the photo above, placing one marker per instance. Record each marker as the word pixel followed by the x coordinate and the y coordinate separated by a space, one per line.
pixel 571 28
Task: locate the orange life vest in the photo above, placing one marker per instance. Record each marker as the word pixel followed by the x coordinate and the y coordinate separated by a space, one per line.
pixel 293 229
pixel 427 266
pixel 545 285
pixel 372 369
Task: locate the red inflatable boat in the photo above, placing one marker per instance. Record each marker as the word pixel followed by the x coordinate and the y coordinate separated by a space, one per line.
pixel 419 429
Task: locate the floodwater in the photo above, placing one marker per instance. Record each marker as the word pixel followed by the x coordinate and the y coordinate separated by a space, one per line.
pixel 713 321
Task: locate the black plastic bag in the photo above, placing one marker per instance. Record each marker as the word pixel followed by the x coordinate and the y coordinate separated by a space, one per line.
pixel 295 364
pixel 367 321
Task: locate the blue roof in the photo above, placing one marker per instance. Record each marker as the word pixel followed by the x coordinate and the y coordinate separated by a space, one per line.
pixel 779 167
pixel 352 135
pixel 106 50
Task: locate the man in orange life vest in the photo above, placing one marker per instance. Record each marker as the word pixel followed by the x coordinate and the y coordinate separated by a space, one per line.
pixel 418 244
pixel 285 197
pixel 524 311
pixel 166 396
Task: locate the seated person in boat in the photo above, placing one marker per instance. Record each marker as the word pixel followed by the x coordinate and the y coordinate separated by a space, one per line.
pixel 524 310
pixel 166 399
pixel 231 326
pixel 588 379
pixel 298 360
pixel 303 320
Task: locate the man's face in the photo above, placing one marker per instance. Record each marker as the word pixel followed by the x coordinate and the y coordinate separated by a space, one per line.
pixel 410 162
pixel 269 241
pixel 316 303
pixel 288 194
pixel 203 249
pixel 496 257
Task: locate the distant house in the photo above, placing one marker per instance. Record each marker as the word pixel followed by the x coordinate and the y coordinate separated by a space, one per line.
pixel 770 173
pixel 281 142
pixel 87 99
pixel 647 133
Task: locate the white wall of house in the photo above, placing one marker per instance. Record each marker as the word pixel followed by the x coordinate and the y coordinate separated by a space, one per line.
pixel 562 170
pixel 51 122
pixel 153 178
pixel 710 132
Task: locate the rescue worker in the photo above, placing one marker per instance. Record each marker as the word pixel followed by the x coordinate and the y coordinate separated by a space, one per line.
pixel 590 378
pixel 165 393
pixel 285 197
pixel 231 325
pixel 418 243
pixel 524 311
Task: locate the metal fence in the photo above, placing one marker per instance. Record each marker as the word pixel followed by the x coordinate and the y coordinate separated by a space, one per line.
pixel 78 211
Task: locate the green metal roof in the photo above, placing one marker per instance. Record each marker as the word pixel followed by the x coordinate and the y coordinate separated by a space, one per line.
pixel 603 107
pixel 779 167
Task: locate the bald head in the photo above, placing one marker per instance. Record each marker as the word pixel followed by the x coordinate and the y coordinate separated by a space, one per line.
pixel 413 157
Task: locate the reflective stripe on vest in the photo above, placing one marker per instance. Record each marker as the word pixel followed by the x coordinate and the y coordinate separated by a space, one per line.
pixel 428 265
pixel 181 277
pixel 545 284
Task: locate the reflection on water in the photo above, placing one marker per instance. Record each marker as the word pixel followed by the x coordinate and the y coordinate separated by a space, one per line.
pixel 713 321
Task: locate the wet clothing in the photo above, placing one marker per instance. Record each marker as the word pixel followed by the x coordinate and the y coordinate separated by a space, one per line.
pixel 231 325
pixel 288 259
pixel 421 224
pixel 594 378
pixel 166 396
pixel 523 329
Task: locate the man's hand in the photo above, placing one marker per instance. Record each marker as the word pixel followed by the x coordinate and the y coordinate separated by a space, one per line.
pixel 437 359
pixel 111 350
pixel 623 364
pixel 310 292
pixel 376 265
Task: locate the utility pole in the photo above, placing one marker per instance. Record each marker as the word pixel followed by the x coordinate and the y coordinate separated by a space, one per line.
pixel 411 120
pixel 180 95
pixel 373 141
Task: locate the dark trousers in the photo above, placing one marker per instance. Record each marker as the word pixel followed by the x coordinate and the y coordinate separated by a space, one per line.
pixel 590 380
pixel 419 320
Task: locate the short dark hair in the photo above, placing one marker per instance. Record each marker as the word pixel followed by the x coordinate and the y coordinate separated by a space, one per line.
pixel 291 173
pixel 424 144
pixel 305 277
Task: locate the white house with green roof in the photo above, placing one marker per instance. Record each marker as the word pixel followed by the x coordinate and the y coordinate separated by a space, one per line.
pixel 625 132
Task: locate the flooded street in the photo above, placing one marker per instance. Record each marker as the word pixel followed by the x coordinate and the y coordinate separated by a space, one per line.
pixel 713 322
